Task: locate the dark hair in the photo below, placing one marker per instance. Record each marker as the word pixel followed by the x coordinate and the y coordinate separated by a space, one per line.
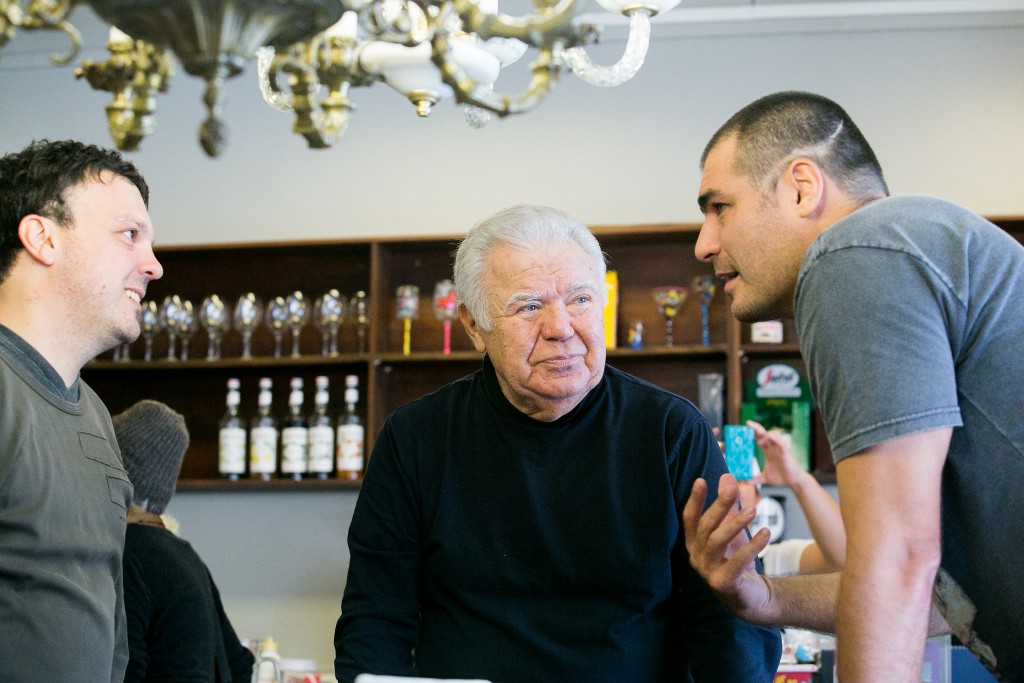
pixel 36 179
pixel 777 128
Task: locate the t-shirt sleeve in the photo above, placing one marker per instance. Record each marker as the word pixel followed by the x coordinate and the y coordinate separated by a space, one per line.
pixel 783 557
pixel 874 329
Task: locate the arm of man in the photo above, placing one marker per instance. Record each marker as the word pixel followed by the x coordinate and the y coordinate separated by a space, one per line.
pixel 891 495
pixel 720 552
pixel 379 621
pixel 828 552
pixel 721 647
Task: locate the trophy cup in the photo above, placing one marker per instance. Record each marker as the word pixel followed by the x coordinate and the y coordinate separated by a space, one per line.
pixel 248 312
pixel 187 325
pixel 446 309
pixel 704 285
pixel 169 312
pixel 297 313
pixel 328 314
pixel 407 307
pixel 277 318
pixel 149 323
pixel 213 316
pixel 359 310
pixel 669 299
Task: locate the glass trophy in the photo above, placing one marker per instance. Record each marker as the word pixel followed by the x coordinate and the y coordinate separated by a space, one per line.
pixel 407 307
pixel 213 316
pixel 277 319
pixel 669 300
pixel 169 312
pixel 188 323
pixel 328 314
pixel 704 286
pixel 298 313
pixel 359 311
pixel 247 316
pixel 446 310
pixel 150 324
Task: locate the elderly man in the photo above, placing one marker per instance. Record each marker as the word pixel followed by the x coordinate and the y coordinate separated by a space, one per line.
pixel 522 523
pixel 910 312
pixel 76 255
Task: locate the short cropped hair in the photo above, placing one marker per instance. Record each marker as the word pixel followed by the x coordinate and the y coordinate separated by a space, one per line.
pixel 36 181
pixel 776 129
pixel 523 226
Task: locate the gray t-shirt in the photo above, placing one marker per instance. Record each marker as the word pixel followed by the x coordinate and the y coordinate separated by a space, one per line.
pixel 63 500
pixel 911 317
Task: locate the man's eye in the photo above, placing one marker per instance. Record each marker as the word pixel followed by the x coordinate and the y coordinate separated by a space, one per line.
pixel 132 233
pixel 530 308
pixel 582 299
pixel 718 207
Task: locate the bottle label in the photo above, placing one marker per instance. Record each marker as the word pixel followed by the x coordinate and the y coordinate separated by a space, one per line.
pixel 232 451
pixel 350 448
pixel 263 450
pixel 293 450
pixel 321 448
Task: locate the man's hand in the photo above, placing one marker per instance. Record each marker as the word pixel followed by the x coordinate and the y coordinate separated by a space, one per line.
pixel 720 552
pixel 780 469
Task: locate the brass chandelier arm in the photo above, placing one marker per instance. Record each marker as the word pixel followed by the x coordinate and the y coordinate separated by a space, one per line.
pixel 327 61
pixel 135 72
pixel 546 70
pixel 539 30
pixel 40 15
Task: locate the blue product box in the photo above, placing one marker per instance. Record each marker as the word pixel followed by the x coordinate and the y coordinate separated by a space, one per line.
pixel 739 451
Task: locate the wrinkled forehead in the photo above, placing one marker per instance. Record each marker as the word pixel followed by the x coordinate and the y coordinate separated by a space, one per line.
pixel 563 265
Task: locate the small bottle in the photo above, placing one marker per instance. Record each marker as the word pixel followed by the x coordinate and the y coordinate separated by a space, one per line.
pixel 231 451
pixel 263 436
pixel 321 434
pixel 294 436
pixel 268 665
pixel 350 434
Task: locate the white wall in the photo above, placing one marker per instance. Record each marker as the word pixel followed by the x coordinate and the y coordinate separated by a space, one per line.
pixel 944 109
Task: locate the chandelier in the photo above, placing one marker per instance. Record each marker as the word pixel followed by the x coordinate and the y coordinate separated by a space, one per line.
pixel 311 53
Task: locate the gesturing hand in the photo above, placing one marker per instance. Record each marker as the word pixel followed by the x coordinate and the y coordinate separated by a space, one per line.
pixel 720 552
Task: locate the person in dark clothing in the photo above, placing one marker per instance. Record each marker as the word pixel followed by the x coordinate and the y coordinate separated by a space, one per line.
pixel 177 628
pixel 522 523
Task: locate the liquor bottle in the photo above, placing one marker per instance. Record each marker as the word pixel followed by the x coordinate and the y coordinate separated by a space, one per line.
pixel 321 434
pixel 350 434
pixel 294 436
pixel 231 453
pixel 263 436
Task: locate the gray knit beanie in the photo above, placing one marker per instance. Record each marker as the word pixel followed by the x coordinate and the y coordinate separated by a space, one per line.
pixel 153 439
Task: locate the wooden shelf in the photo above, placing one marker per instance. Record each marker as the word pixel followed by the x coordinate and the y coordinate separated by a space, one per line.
pixel 644 256
pixel 273 485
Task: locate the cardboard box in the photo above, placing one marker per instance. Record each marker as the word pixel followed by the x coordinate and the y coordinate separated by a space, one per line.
pixel 611 309
pixel 795 673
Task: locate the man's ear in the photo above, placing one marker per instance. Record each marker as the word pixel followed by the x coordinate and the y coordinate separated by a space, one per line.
pixel 36 235
pixel 804 183
pixel 472 328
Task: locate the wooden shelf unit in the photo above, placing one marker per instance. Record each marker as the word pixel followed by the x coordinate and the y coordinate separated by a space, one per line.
pixel 645 256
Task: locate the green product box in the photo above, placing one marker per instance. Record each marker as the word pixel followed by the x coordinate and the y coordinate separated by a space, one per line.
pixel 780 398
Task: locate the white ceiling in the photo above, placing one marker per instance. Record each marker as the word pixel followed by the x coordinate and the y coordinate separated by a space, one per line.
pixel 710 17
pixel 31 49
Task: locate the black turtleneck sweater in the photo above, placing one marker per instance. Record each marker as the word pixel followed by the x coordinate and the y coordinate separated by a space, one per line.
pixel 486 544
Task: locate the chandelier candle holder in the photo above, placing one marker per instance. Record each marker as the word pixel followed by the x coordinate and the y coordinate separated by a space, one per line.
pixel 311 53
pixel 407 307
pixel 446 310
